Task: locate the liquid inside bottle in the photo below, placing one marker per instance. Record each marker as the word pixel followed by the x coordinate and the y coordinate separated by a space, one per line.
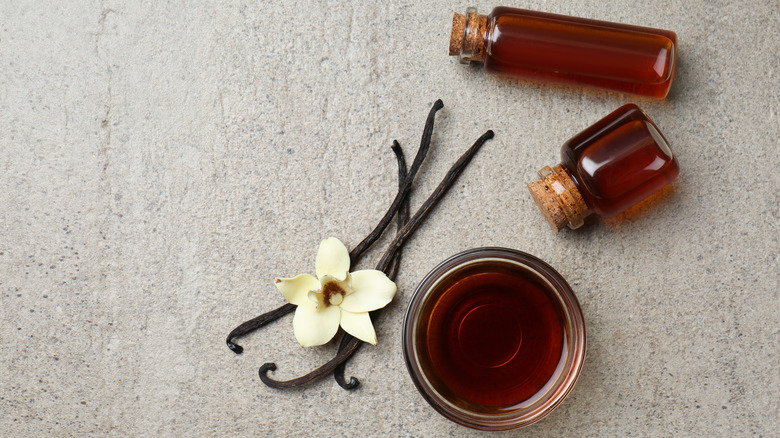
pixel 605 169
pixel 568 50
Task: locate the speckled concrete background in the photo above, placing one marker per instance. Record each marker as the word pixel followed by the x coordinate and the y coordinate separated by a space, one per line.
pixel 162 162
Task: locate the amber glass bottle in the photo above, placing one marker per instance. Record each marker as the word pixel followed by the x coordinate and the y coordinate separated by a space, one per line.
pixel 605 169
pixel 567 50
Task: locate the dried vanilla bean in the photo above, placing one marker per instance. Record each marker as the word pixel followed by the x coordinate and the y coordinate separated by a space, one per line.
pixel 383 265
pixel 431 202
pixel 401 220
pixel 389 263
pixel 348 344
pixel 363 246
pixel 406 185
pixel 254 324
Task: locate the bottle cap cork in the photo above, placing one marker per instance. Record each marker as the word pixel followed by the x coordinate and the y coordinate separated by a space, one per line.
pixel 467 38
pixel 558 198
pixel 456 36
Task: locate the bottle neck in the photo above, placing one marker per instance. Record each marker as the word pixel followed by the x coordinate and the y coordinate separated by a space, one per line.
pixel 558 197
pixel 467 39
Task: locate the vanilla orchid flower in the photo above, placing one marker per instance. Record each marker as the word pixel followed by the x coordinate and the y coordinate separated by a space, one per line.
pixel 335 297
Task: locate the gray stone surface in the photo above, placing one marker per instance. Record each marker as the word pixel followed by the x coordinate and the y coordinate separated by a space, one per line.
pixel 162 162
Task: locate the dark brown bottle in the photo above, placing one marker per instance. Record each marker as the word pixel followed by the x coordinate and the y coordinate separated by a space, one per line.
pixel 567 50
pixel 605 169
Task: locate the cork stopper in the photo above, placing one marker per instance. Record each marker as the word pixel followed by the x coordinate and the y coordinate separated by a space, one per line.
pixel 558 198
pixel 456 36
pixel 467 38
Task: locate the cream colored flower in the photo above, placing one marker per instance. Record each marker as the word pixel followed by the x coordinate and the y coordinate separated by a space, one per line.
pixel 336 297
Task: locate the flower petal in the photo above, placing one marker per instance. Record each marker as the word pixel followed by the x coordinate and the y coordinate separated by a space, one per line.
pixel 371 290
pixel 358 325
pixel 332 259
pixel 297 289
pixel 315 325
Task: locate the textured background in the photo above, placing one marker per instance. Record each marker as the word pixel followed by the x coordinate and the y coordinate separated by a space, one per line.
pixel 162 162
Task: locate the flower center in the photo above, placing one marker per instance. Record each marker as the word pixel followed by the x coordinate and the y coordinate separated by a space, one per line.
pixel 332 293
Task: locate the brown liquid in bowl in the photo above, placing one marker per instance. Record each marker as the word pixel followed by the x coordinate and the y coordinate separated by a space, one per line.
pixel 495 336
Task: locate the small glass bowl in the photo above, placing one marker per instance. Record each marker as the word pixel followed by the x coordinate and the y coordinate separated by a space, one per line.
pixel 564 376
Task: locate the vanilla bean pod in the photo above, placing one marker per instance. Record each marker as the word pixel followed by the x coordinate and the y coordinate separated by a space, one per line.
pixel 405 187
pixel 349 344
pixel 346 342
pixel 431 202
pixel 403 213
pixel 254 324
pixel 354 255
pixel 401 219
pixel 383 265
